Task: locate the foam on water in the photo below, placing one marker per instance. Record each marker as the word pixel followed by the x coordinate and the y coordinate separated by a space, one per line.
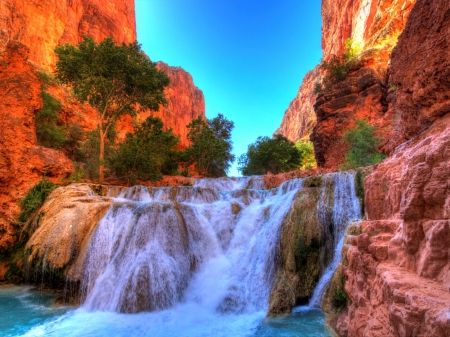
pixel 196 261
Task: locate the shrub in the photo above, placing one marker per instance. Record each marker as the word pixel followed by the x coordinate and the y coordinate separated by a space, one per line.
pixel 273 155
pixel 340 298
pixel 211 146
pixel 143 154
pixel 363 146
pixel 359 186
pixel 337 68
pixel 307 153
pixel 49 131
pixel 35 199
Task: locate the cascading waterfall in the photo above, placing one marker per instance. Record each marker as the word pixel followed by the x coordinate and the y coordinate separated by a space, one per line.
pixel 345 209
pixel 213 244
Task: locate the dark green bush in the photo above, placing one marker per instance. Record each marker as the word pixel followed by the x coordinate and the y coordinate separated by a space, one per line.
pixel 35 199
pixel 363 146
pixel 143 154
pixel 340 298
pixel 49 130
pixel 337 68
pixel 273 155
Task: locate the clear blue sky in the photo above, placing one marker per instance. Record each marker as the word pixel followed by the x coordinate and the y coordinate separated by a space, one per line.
pixel 247 56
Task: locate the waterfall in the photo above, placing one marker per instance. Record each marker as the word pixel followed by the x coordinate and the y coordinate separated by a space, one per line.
pixel 213 244
pixel 345 209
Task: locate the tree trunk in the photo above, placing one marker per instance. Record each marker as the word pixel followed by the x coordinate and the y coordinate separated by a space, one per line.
pixel 101 158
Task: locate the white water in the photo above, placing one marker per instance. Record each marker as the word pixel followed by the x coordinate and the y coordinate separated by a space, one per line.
pixel 160 247
pixel 345 209
pixel 194 261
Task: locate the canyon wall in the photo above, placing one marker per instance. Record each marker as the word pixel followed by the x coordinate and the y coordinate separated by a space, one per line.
pixel 374 27
pixel 43 25
pixel 397 270
pixel 29 33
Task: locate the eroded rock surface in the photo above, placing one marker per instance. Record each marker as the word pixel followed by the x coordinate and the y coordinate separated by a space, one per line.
pixel 398 270
pixel 22 161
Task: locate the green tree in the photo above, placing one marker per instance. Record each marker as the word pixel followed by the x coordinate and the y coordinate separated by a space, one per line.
pixel 306 149
pixel 363 146
pixel 211 145
pixel 49 129
pixel 145 152
pixel 273 155
pixel 116 80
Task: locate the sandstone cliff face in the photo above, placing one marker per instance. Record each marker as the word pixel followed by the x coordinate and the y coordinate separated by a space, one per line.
pixel 43 25
pixel 22 161
pixel 299 118
pixel 397 271
pixel 374 26
pixel 420 71
pixel 185 102
pixel 29 33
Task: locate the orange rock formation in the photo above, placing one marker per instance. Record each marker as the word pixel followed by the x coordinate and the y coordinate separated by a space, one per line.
pixel 398 270
pixel 29 33
pixel 374 27
pixel 22 161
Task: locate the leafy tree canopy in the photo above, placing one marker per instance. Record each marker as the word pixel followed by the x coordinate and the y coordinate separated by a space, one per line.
pixel 363 146
pixel 143 154
pixel 211 145
pixel 273 155
pixel 116 80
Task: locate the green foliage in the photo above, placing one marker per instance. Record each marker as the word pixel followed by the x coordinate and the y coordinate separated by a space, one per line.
pixel 90 149
pixel 76 176
pixel 363 145
pixel 211 146
pixel 318 87
pixel 116 80
pixel 47 78
pixel 393 86
pixel 273 155
pixel 307 153
pixel 340 298
pixel 143 154
pixel 337 68
pixel 35 199
pixel 49 129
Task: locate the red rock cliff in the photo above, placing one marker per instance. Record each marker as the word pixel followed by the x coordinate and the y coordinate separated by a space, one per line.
pixel 374 27
pixel 29 33
pixel 43 25
pixel 398 270
pixel 22 161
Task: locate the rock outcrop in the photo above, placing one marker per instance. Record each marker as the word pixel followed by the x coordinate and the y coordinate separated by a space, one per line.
pixel 43 25
pixel 397 271
pixel 29 33
pixel 185 102
pixel 22 161
pixel 299 119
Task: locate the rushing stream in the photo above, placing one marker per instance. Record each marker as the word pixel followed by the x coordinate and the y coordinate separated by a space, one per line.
pixel 187 261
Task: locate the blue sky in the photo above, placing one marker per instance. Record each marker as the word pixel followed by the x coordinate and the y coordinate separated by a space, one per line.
pixel 247 56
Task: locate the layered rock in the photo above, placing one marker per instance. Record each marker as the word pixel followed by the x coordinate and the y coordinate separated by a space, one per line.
pixel 369 23
pixel 43 25
pixel 299 118
pixel 374 27
pixel 420 71
pixel 22 161
pixel 397 271
pixel 32 31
